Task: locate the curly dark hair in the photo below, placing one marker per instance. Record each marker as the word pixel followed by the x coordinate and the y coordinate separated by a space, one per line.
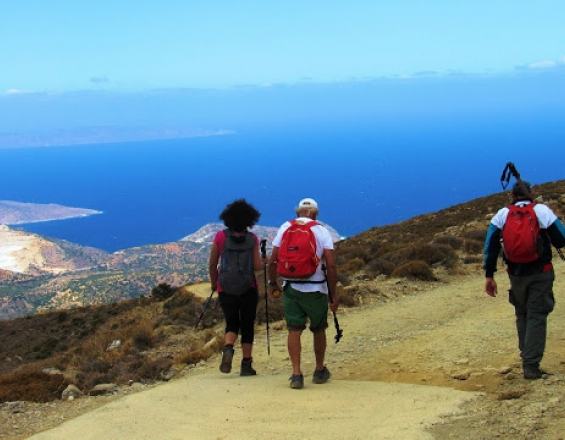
pixel 240 215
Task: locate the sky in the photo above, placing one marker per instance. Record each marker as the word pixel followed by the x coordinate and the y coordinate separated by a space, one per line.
pixel 62 46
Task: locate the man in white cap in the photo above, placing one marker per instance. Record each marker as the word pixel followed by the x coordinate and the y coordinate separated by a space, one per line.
pixel 303 257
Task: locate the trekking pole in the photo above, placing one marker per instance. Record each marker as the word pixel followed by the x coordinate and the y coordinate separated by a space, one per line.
pixel 511 171
pixel 204 308
pixel 338 330
pixel 264 255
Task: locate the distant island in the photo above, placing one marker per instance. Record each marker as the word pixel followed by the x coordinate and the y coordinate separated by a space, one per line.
pixel 17 213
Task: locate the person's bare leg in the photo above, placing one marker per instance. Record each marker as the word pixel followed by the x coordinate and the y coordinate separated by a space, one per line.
pixel 320 348
pixel 230 338
pixel 246 349
pixel 294 350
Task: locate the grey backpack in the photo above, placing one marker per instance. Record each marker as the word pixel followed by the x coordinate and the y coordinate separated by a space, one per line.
pixel 236 263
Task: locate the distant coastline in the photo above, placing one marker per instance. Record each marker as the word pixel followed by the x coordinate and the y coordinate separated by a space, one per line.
pixel 53 219
pixel 20 213
pixel 101 136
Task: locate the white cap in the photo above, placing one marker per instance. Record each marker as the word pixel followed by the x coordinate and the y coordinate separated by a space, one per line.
pixel 307 203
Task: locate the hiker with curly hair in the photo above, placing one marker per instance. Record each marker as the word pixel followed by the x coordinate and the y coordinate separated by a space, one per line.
pixel 234 258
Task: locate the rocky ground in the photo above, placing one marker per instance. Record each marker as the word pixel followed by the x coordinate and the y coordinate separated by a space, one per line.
pixel 447 334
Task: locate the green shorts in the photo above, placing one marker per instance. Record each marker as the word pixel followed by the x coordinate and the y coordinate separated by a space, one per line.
pixel 300 306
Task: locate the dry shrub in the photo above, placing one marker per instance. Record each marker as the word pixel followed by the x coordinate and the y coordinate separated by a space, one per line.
pixel 473 246
pixel 351 252
pixel 472 259
pixel 379 266
pixel 417 270
pixel 200 348
pixel 432 254
pixel 183 308
pixel 343 278
pixel 162 291
pixel 143 336
pixel 351 266
pixel 435 254
pixel 476 234
pixel 153 369
pixel 449 240
pixel 192 357
pixel 347 297
pixel 31 384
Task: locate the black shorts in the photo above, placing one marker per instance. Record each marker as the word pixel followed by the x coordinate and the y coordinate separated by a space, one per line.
pixel 239 313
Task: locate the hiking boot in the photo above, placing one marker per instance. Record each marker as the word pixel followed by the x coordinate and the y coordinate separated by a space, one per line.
pixel 321 376
pixel 227 357
pixel 246 368
pixel 532 372
pixel 296 381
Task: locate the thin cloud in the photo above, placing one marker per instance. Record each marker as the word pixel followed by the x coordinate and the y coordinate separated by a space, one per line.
pixel 14 91
pixel 99 80
pixel 544 64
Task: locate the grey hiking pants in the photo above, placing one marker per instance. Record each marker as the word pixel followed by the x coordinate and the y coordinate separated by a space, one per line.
pixel 532 298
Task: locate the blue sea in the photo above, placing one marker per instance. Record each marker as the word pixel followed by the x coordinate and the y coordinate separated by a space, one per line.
pixel 159 191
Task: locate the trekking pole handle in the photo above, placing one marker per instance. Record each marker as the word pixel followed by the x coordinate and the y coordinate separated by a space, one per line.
pixel 263 246
pixel 204 308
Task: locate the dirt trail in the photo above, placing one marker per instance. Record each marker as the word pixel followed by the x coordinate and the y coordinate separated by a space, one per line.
pixel 426 338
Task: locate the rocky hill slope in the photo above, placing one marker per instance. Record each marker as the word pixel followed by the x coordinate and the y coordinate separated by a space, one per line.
pixel 30 254
pixel 45 274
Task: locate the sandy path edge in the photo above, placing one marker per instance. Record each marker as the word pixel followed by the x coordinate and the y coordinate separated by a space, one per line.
pixel 212 406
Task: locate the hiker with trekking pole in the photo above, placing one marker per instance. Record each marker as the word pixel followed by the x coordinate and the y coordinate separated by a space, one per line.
pixel 525 231
pixel 301 248
pixel 234 258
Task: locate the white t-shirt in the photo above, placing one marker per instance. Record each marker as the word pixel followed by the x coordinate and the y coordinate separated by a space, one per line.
pixel 323 241
pixel 545 216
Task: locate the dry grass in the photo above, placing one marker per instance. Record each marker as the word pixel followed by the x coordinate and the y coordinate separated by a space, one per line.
pixel 77 342
pixel 30 383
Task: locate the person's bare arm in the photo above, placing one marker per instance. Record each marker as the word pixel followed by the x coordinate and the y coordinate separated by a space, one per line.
pixel 331 274
pixel 213 266
pixel 257 261
pixel 273 265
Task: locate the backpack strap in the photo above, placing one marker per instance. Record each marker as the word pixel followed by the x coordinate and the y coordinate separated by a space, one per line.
pixel 309 225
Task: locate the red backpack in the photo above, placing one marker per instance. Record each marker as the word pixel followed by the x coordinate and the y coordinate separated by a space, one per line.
pixel 521 238
pixel 297 253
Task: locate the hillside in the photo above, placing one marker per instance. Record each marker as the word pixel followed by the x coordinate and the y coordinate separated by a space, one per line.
pixel 428 246
pixel 30 254
pixel 62 274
